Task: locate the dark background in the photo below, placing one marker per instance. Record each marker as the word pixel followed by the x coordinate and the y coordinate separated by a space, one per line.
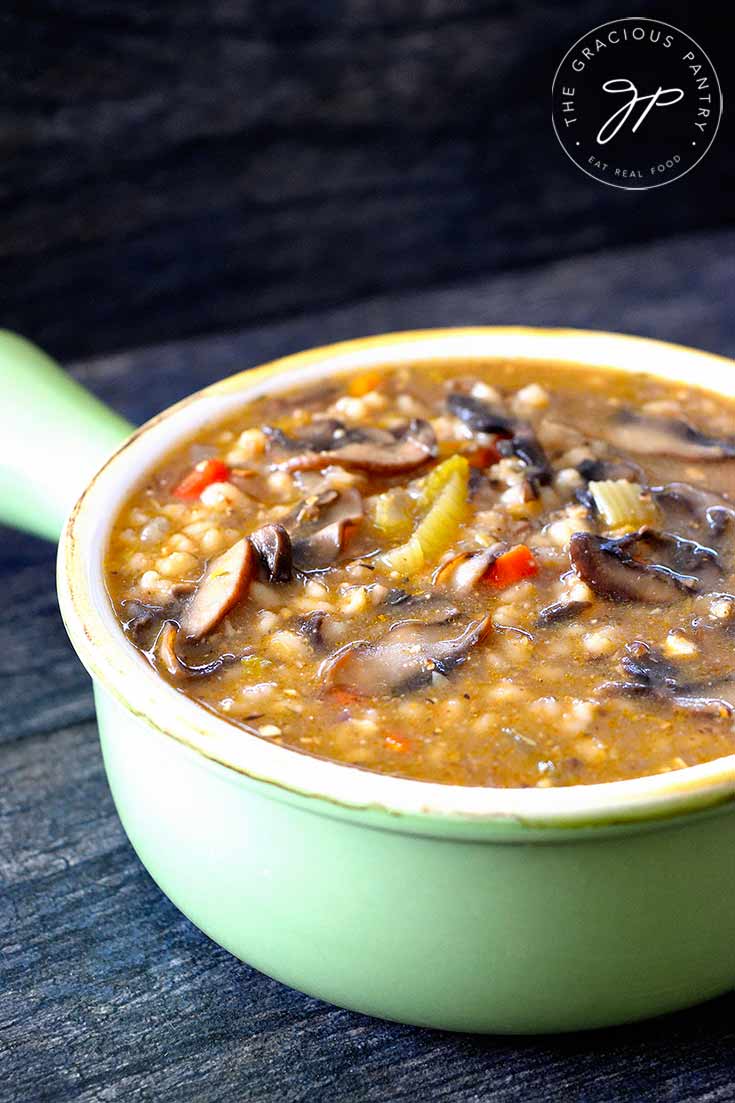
pixel 181 167
pixel 269 176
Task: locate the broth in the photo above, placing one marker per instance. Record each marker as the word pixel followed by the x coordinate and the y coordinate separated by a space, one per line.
pixel 491 573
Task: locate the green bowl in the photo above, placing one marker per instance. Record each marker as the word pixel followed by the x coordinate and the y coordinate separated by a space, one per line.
pixel 513 911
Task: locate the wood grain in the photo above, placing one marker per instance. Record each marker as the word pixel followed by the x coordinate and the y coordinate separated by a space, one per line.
pixel 179 168
pixel 106 992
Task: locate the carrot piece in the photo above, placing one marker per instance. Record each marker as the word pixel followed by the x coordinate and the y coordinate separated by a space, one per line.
pixel 365 383
pixel 511 567
pixel 200 477
pixel 483 457
pixel 396 742
pixel 343 696
pixel 446 448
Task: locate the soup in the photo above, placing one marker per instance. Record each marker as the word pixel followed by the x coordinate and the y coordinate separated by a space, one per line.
pixel 490 573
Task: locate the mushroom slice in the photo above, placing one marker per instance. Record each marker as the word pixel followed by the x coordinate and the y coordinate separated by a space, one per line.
pixel 608 569
pixel 463 572
pixel 653 676
pixel 310 509
pixel 273 546
pixel 225 582
pixel 320 435
pixel 397 596
pixel 693 564
pixel 404 659
pixel 311 626
pixel 526 447
pixel 164 653
pixel 479 482
pixel 165 649
pixel 561 610
pixel 648 672
pixel 596 471
pixel 428 608
pixel 716 511
pixel 323 528
pixel 141 619
pixel 719 707
pixel 657 436
pixel 478 415
pixel 374 450
pixel 647 667
pixel 431 612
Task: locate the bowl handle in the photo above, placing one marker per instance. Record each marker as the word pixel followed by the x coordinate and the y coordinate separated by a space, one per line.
pixel 53 436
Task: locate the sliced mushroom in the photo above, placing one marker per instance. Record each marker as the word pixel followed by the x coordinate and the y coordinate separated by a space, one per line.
pixel 226 581
pixel 141 617
pixel 433 614
pixel 373 450
pixel 686 559
pixel 658 436
pixel 526 447
pixel 704 505
pixel 650 675
pixel 608 568
pixel 584 496
pixel 273 546
pixel 396 596
pixel 561 610
pixel 182 589
pixel 406 658
pixel 696 699
pixel 478 483
pixel 604 470
pixel 463 572
pixel 478 415
pixel 319 435
pixel 323 527
pixel 165 654
pixel 530 489
pixel 429 608
pixel 165 649
pixel 648 667
pixel 310 509
pixel 311 626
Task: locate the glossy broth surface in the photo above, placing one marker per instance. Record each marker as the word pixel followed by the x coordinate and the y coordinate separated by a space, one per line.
pixel 490 573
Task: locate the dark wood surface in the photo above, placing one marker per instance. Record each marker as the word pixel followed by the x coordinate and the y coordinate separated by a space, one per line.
pixel 175 168
pixel 107 993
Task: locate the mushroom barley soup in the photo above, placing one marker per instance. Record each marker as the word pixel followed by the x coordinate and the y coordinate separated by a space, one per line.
pixel 499 574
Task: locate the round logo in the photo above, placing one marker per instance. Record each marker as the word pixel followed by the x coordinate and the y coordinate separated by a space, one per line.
pixel 636 103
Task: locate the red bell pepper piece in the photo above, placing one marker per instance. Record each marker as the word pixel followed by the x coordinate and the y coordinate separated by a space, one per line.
pixel 200 477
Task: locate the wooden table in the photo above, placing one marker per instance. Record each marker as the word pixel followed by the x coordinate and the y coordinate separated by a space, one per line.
pixel 107 992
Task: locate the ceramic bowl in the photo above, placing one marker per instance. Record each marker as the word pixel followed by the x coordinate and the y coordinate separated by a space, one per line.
pixel 463 908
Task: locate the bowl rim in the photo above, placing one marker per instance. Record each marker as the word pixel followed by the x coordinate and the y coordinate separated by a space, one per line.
pixel 121 670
